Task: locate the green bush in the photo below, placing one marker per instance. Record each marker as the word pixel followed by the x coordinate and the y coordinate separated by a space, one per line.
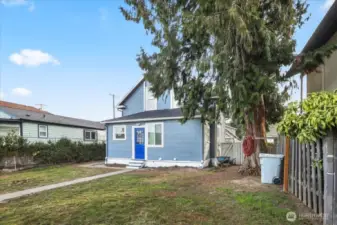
pixel 62 151
pixel 311 119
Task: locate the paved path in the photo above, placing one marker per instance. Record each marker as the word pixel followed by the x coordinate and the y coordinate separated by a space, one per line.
pixel 5 197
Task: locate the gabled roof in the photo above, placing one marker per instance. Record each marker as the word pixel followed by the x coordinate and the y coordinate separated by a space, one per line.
pixel 29 113
pixel 153 115
pixel 130 92
pixel 19 106
pixel 323 33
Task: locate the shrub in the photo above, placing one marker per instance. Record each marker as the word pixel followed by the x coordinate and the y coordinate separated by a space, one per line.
pixel 62 151
pixel 311 119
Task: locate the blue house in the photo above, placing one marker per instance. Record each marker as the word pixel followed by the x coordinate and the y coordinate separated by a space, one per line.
pixel 150 134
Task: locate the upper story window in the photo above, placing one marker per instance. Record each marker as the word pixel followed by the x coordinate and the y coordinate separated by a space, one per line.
pixel 119 132
pixel 150 100
pixel 174 103
pixel 43 131
pixel 90 135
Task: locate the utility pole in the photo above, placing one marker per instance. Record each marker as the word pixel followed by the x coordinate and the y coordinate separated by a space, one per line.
pixel 113 105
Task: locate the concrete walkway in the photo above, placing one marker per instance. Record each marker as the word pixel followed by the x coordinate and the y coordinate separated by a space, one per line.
pixel 5 197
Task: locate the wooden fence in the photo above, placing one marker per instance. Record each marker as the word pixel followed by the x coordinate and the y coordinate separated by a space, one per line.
pixel 311 175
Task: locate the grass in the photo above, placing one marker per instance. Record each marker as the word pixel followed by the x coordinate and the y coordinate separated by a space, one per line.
pixel 10 182
pixel 152 198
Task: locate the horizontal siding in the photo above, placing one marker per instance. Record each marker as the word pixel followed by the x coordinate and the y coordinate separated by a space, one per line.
pixel 181 141
pixel 30 132
pixel 120 148
pixel 135 103
pixel 5 128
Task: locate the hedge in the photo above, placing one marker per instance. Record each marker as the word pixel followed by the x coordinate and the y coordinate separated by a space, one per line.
pixel 62 151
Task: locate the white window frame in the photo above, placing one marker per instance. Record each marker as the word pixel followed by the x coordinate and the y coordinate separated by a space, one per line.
pixel 114 133
pixel 162 135
pixel 173 101
pixel 146 89
pixel 41 136
pixel 90 139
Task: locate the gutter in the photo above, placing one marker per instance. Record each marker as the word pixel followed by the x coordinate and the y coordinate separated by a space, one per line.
pixel 146 119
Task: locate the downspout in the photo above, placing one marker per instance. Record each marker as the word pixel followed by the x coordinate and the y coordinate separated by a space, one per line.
pixel 106 144
pixel 301 90
pixel 21 130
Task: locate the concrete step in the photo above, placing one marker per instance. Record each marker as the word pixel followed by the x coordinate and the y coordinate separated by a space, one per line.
pixel 135 164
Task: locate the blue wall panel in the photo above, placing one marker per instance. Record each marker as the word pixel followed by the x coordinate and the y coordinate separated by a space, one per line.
pixel 135 103
pixel 181 141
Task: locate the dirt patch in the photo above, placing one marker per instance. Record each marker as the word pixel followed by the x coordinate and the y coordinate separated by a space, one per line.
pixel 252 184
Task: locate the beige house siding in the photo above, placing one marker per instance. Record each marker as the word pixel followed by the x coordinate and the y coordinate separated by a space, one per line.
pixel 55 132
pixel 325 78
pixel 5 128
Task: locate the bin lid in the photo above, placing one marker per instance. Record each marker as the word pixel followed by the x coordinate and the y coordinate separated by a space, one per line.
pixel 264 155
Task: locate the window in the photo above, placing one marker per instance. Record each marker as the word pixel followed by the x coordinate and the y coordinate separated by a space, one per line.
pixel 119 133
pixel 43 131
pixel 150 100
pixel 90 135
pixel 174 102
pixel 155 135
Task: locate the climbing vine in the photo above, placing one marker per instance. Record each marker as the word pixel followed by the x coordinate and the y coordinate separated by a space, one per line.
pixel 311 119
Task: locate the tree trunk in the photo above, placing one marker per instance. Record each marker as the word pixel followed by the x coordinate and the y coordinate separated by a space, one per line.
pixel 256 129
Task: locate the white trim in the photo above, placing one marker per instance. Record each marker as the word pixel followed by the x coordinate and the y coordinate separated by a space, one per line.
pixel 148 119
pixel 173 100
pixel 172 163
pixel 129 92
pixel 46 131
pixel 123 161
pixel 133 141
pixel 162 134
pixel 145 99
pixel 114 136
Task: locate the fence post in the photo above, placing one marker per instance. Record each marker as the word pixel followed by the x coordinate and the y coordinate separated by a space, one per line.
pixel 286 165
pixel 328 178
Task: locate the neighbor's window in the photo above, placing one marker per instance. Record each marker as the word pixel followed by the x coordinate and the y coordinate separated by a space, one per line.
pixel 155 134
pixel 90 135
pixel 119 132
pixel 43 131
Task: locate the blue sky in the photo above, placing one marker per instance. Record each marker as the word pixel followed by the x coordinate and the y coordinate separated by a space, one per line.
pixel 70 54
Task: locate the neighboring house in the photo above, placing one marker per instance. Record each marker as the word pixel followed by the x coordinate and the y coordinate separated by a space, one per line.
pixel 40 126
pixel 149 133
pixel 324 78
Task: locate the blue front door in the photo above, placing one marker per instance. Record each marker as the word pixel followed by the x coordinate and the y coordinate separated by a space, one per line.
pixel 139 143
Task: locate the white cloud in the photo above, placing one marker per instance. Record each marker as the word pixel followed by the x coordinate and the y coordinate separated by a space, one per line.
pixel 30 4
pixel 29 57
pixel 327 4
pixel 103 14
pixel 23 92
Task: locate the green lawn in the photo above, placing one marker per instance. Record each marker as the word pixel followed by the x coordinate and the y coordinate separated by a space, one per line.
pixel 154 197
pixel 10 182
